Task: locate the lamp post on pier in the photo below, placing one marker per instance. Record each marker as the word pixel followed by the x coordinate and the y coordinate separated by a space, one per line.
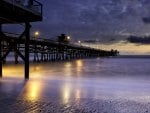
pixel 79 42
pixel 36 35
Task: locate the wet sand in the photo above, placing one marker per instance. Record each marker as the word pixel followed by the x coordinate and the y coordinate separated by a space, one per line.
pixel 11 105
pixel 75 87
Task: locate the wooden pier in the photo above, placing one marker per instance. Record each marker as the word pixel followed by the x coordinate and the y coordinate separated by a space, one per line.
pixel 43 50
pixel 18 12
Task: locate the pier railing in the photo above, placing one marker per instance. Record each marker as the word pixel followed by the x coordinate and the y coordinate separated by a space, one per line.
pixel 43 40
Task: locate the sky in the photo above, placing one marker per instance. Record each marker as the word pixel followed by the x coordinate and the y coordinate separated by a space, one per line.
pixel 88 19
pixel 102 20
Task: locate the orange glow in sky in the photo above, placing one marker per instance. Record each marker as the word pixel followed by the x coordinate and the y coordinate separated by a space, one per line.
pixel 124 48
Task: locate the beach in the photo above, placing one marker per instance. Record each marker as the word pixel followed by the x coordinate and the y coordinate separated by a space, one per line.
pixel 102 85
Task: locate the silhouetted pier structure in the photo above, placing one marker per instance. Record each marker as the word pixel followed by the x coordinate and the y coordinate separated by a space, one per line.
pixel 16 12
pixel 42 49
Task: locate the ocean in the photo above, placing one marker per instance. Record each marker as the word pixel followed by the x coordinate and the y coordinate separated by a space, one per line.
pixel 110 85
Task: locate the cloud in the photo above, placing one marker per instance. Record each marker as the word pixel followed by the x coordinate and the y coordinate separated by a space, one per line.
pixel 106 39
pixel 139 40
pixel 146 20
pixel 88 19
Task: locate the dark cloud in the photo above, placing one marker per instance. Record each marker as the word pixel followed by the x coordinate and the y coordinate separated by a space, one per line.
pixel 146 20
pixel 139 40
pixel 107 39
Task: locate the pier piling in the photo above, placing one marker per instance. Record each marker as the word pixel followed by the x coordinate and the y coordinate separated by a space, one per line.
pixel 1 51
pixel 27 39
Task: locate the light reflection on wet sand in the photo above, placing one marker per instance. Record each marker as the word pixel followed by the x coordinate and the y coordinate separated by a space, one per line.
pixel 66 93
pixel 73 80
pixel 32 91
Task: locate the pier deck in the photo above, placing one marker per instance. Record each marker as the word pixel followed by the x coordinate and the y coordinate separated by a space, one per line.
pixel 50 50
pixel 18 11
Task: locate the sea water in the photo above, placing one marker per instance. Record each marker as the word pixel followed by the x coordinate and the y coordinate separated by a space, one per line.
pixel 100 78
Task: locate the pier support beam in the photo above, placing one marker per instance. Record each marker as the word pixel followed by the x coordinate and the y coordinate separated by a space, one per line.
pixel 1 51
pixel 27 35
pixel 16 54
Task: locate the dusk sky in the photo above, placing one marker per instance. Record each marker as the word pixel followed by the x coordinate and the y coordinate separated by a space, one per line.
pixel 103 20
pixel 88 19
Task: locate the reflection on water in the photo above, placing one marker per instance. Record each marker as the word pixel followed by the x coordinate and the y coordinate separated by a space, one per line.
pixel 78 93
pixel 36 71
pixel 32 90
pixel 13 70
pixel 17 71
pixel 68 69
pixel 90 78
pixel 79 67
pixel 66 93
pixel 70 90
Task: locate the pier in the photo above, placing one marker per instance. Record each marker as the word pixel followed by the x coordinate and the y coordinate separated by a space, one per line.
pixel 43 50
